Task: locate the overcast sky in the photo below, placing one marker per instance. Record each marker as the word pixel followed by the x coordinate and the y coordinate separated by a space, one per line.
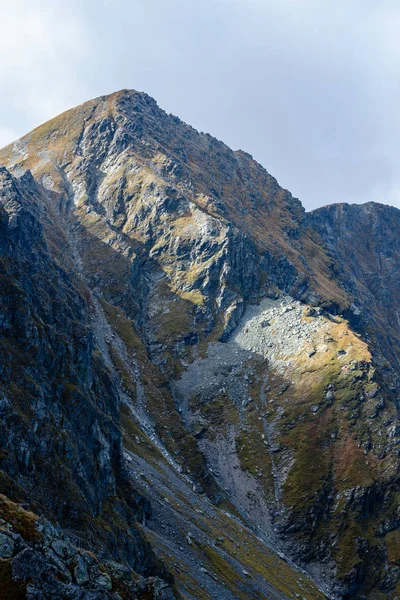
pixel 311 88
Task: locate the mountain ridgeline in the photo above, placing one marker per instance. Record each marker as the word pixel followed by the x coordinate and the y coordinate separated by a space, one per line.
pixel 199 380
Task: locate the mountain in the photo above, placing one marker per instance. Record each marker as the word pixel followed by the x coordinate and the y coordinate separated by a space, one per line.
pixel 199 379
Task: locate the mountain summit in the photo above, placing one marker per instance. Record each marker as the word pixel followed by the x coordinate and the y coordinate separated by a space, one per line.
pixel 199 379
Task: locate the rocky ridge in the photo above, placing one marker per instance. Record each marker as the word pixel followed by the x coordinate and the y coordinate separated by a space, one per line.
pixel 38 562
pixel 206 345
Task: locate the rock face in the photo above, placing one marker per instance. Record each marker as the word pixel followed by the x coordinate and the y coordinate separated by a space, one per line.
pixel 199 380
pixel 37 562
pixel 364 242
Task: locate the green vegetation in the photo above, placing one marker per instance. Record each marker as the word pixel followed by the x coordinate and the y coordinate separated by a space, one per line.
pixel 226 572
pixel 219 412
pixel 136 441
pixel 23 521
pixel 392 541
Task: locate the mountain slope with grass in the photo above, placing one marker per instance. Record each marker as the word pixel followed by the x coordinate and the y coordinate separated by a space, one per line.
pixel 199 379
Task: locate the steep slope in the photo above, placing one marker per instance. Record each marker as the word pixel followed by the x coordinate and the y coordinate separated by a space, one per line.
pixel 364 240
pixel 60 435
pixel 222 353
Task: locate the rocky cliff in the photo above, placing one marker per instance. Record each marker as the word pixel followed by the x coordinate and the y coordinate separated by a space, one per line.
pixel 199 379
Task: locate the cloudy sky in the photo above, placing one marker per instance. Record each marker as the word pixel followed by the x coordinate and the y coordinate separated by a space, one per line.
pixel 311 88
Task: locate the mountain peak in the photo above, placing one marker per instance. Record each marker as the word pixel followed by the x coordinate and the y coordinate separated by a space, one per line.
pixel 129 126
pixel 177 332
pixel 101 143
